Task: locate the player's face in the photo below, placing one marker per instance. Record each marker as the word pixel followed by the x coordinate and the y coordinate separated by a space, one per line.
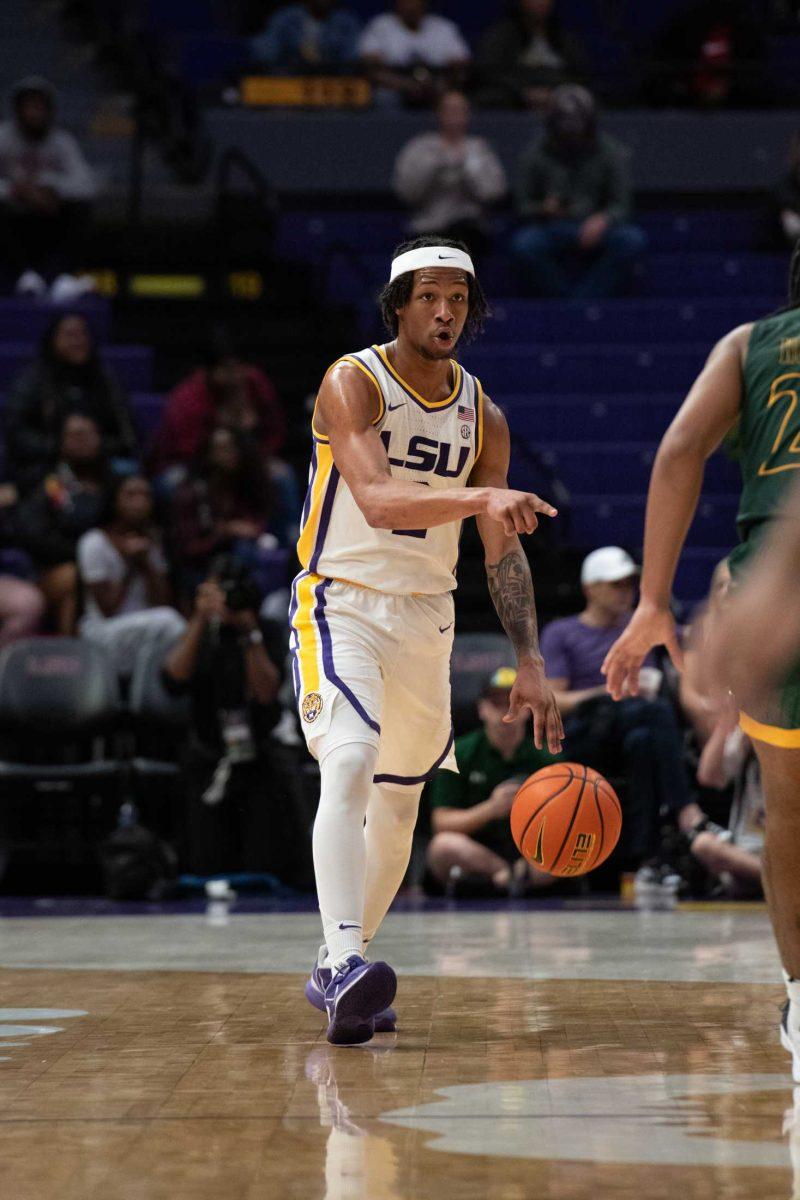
pixel 434 317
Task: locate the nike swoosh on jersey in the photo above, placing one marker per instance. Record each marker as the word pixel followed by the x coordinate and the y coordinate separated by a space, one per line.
pixel 392 407
pixel 538 854
pixel 444 628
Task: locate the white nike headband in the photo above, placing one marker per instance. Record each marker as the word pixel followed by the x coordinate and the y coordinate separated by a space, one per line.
pixel 431 256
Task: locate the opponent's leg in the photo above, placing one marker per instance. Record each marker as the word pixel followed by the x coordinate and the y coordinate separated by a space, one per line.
pixel 780 777
pixel 391 817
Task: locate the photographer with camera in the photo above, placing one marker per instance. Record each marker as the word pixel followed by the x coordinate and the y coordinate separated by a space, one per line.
pixel 244 803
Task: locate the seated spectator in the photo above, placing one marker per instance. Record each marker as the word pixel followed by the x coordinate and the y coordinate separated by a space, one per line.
pixel 68 502
pixel 226 390
pixel 244 805
pixel 22 608
pixel 124 575
pixel 710 55
pixel 526 54
pixel 449 179
pixel 786 196
pixel 316 37
pixel 68 376
pixel 574 199
pixel 472 843
pixel 733 856
pixel 637 737
pixel 46 187
pixel 410 55
pixel 227 503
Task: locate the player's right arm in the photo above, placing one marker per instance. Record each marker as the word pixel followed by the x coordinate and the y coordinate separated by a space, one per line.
pixel 707 414
pixel 346 409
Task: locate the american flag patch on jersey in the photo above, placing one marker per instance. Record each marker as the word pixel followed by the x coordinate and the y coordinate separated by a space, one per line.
pixel 464 413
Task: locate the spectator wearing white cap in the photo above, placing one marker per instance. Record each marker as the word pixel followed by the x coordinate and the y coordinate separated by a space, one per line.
pixel 637 738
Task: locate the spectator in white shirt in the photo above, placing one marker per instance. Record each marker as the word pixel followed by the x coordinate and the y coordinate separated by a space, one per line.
pixel 410 55
pixel 124 574
pixel 449 179
pixel 46 187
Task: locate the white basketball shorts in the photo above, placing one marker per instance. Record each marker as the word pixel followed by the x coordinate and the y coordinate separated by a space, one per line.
pixel 371 667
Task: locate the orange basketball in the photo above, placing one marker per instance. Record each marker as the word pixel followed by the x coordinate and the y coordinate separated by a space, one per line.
pixel 566 819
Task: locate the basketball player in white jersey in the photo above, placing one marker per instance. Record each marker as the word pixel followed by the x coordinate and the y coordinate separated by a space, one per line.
pixel 406 446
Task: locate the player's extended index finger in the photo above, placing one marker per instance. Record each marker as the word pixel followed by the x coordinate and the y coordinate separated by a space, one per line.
pixel 541 506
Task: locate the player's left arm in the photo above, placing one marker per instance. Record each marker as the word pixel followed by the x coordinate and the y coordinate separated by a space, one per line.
pixel 511 589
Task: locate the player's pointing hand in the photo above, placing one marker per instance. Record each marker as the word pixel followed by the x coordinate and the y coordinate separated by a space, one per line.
pixel 517 512
pixel 650 626
pixel 532 691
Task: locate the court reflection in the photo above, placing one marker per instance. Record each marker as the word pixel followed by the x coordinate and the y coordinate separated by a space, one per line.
pixel 359 1165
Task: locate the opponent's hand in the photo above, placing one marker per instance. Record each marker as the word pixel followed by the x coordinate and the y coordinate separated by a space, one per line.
pixel 532 691
pixel 517 511
pixel 650 626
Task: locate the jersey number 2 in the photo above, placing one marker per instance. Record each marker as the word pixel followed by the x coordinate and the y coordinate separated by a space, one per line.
pixel 781 390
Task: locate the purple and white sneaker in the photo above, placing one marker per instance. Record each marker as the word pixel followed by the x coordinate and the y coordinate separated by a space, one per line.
pixel 318 981
pixel 357 992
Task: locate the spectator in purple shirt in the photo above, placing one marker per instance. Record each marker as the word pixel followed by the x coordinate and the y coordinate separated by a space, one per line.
pixel 638 737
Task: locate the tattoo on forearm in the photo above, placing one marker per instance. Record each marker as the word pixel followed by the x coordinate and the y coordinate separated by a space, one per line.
pixel 511 589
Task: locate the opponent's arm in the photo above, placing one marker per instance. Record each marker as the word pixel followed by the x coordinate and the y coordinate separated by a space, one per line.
pixel 709 411
pixel 756 638
pixel 511 589
pixel 347 405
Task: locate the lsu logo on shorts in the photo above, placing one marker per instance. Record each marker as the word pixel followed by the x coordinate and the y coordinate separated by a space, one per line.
pixel 311 706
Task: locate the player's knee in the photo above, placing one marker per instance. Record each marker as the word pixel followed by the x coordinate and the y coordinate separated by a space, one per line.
pixel 348 769
pixel 402 808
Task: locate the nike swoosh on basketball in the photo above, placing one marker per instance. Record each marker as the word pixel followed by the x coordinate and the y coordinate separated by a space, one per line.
pixel 444 628
pixel 538 854
pixel 392 407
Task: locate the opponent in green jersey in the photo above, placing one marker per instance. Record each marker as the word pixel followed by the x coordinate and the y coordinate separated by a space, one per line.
pixel 752 375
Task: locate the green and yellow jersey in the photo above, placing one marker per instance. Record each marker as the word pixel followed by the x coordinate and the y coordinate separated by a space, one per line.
pixel 769 456
pixel 770 417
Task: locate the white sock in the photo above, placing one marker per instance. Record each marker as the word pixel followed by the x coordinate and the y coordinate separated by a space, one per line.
pixel 391 817
pixel 339 846
pixel 792 991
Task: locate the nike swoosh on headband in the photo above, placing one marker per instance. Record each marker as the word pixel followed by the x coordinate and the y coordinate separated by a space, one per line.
pixel 430 256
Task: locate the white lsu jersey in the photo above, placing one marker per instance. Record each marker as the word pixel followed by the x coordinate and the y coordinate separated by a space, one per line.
pixel 434 444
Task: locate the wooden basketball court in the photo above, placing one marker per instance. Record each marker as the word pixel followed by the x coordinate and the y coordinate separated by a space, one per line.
pixel 550 1054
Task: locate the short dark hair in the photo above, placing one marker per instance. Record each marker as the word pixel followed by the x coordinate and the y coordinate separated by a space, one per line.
pixel 397 294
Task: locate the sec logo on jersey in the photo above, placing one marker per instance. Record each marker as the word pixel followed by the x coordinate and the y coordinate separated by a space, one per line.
pixel 311 706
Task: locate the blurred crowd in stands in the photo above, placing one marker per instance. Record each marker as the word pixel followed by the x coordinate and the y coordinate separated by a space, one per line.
pixel 708 56
pixel 163 548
